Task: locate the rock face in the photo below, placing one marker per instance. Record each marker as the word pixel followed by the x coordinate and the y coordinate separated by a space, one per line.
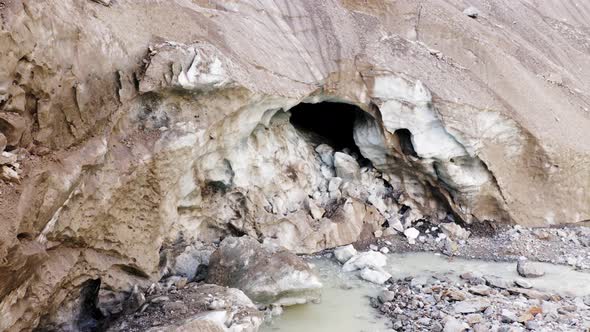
pixel 266 275
pixel 134 135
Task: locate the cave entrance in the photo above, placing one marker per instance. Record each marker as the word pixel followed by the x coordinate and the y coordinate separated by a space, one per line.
pixel 329 123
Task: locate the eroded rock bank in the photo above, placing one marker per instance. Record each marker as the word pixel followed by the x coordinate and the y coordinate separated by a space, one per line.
pixel 136 134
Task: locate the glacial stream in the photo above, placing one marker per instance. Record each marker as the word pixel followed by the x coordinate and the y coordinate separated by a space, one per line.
pixel 345 298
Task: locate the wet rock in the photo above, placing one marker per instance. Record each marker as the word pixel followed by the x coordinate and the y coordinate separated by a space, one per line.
pixel 344 253
pixel 528 269
pixel 471 306
pixel 375 276
pixel 268 275
pixel 369 259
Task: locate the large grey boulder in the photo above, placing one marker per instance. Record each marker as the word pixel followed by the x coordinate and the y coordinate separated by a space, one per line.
pixel 268 275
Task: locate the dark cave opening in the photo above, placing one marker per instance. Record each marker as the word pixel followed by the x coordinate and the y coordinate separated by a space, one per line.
pixel 405 141
pixel 329 123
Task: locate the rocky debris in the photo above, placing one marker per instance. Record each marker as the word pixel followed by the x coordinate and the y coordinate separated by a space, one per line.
pixel 344 253
pixel 370 259
pixel 433 304
pixel 471 12
pixel 193 307
pixel 267 274
pixel 528 269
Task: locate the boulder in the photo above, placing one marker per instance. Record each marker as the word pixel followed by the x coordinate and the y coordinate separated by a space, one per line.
pixel 347 167
pixel 454 231
pixel 268 275
pixel 528 269
pixel 344 253
pixel 369 259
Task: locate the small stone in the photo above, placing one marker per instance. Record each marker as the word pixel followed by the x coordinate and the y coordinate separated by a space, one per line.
pixel 455 295
pixel 497 282
pixel 386 296
pixel 384 250
pixel 528 270
pixel 470 306
pixel 343 254
pixel 378 233
pixel 471 12
pixel 481 290
pixel 411 234
pixel 373 247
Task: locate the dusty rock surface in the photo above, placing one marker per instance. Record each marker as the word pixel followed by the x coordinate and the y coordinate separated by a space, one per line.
pixel 139 126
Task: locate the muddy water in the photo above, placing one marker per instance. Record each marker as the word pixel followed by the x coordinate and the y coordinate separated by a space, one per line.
pixel 345 303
